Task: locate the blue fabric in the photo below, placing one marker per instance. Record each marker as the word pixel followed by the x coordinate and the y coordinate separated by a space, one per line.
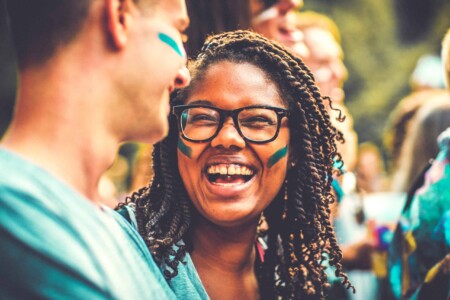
pixel 422 238
pixel 187 284
pixel 55 244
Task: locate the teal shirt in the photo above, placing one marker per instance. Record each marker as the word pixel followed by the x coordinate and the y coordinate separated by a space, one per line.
pixel 187 284
pixel 55 244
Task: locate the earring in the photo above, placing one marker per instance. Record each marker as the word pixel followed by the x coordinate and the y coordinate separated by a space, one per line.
pixel 285 198
pixel 262 225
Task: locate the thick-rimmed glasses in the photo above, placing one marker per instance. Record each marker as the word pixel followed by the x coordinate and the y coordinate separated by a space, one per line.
pixel 256 124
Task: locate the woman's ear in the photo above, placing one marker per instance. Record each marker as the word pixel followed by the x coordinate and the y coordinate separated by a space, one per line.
pixel 118 16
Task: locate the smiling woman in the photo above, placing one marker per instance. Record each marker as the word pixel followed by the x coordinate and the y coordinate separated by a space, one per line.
pixel 250 142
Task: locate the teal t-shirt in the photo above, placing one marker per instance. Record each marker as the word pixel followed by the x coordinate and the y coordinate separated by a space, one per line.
pixel 187 284
pixel 55 244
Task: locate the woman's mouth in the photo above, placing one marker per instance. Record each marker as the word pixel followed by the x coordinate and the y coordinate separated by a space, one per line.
pixel 229 174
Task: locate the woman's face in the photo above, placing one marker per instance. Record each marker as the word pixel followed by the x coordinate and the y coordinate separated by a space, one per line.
pixel 234 199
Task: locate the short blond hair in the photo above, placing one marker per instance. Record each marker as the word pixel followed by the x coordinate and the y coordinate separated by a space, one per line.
pixel 310 19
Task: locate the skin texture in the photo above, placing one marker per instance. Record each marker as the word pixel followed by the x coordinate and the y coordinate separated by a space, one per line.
pixel 278 23
pixel 232 212
pixel 158 47
pixel 231 86
pixel 277 156
pixel 325 60
pixel 99 91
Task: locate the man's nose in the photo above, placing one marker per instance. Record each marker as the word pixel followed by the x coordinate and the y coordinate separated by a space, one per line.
pixel 183 78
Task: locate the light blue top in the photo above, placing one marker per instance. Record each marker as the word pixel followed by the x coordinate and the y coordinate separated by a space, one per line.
pixel 187 284
pixel 55 244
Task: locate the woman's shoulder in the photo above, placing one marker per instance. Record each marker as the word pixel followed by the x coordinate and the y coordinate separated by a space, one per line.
pixel 128 212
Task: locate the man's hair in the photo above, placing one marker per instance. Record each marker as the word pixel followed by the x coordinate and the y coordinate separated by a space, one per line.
pixel 300 231
pixel 311 19
pixel 446 57
pixel 40 27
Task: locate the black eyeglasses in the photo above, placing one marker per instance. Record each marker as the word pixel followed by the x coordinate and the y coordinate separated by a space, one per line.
pixel 256 124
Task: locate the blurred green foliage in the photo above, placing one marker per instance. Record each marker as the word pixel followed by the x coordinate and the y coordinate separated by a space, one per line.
pixel 382 41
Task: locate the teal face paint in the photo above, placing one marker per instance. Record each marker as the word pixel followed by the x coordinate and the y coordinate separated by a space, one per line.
pixel 277 156
pixel 185 149
pixel 172 44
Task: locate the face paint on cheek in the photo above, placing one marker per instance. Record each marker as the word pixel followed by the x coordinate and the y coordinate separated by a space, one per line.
pixel 277 156
pixel 185 149
pixel 172 44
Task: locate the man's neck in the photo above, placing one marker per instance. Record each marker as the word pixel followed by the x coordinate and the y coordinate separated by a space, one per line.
pixel 58 129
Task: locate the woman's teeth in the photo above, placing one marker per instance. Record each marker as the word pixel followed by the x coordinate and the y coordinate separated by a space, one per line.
pixel 229 174
pixel 225 169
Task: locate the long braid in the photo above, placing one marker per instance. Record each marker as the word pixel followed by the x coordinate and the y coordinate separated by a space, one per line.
pixel 300 233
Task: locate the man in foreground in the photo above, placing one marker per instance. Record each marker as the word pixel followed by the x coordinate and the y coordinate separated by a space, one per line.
pixel 92 74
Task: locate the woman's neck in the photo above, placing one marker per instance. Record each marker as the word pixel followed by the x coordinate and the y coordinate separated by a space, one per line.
pixel 225 259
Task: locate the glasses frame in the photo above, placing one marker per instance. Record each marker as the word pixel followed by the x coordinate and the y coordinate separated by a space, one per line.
pixel 223 114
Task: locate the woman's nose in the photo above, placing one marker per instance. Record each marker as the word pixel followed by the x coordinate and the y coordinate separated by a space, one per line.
pixel 228 137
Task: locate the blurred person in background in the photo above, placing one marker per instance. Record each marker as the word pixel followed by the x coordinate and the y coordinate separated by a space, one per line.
pixel 420 145
pixel 85 86
pixel 324 57
pixel 428 73
pixel 419 254
pixel 276 20
pixel 370 171
pixel 400 121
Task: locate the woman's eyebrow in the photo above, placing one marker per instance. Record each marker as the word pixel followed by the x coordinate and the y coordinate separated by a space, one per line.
pixel 201 102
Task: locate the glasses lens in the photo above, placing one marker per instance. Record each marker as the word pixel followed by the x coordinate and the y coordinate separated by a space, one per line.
pixel 199 123
pixel 258 124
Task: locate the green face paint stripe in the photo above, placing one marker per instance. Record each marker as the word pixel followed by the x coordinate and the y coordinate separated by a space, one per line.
pixel 171 42
pixel 186 150
pixel 277 156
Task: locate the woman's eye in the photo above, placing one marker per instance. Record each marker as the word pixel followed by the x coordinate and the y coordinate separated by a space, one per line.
pixel 199 119
pixel 257 122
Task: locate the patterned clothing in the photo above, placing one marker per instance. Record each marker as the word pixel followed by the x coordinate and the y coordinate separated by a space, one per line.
pixel 55 244
pixel 422 237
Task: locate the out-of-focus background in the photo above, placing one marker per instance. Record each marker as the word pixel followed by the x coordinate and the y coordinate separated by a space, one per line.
pixel 383 40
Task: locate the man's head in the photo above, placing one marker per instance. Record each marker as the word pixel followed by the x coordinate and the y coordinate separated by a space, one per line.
pixel 325 58
pixel 446 57
pixel 131 49
pixel 275 19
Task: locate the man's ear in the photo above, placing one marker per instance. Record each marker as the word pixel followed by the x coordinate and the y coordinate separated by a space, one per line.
pixel 118 16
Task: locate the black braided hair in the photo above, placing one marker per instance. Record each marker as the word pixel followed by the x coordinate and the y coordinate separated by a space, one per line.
pixel 300 234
